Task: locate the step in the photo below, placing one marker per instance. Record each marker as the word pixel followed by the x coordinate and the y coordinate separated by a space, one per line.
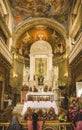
pixel 18 108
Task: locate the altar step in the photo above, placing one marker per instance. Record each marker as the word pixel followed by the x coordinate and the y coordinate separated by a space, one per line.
pixel 18 109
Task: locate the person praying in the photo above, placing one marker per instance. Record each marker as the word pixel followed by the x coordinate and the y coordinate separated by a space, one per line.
pixel 14 124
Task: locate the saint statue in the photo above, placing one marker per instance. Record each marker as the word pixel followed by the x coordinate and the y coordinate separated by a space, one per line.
pixel 40 80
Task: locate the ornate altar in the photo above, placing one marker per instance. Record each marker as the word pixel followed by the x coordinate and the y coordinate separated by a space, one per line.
pixel 39 100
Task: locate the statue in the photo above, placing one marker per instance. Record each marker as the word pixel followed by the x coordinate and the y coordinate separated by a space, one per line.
pixel 40 80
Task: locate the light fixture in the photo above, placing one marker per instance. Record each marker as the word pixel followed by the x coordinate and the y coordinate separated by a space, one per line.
pixel 66 74
pixel 15 75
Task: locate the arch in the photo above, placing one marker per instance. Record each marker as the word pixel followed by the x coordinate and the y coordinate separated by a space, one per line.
pixel 41 47
pixel 40 58
pixel 29 23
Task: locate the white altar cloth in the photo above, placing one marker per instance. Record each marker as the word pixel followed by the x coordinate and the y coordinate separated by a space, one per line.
pixel 40 93
pixel 40 104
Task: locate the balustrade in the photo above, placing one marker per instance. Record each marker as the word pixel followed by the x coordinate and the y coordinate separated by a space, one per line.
pixel 48 125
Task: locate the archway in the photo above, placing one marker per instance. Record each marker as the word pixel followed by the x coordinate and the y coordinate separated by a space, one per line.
pixel 26 25
pixel 40 63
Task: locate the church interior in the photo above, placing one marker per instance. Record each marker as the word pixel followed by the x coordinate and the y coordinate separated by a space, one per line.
pixel 40 61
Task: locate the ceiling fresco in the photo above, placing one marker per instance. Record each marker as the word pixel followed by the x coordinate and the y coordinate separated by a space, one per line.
pixel 40 32
pixel 24 9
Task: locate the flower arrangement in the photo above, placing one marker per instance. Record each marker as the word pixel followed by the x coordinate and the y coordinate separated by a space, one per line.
pixel 25 88
pixel 73 110
pixel 51 114
pixel 61 85
pixel 46 114
pixel 63 116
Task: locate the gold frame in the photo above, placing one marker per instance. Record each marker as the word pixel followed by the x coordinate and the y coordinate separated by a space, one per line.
pixel 41 67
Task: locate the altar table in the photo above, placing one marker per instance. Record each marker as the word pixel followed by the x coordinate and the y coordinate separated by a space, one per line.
pixel 39 105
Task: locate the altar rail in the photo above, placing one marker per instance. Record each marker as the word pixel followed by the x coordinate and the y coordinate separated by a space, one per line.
pixel 48 125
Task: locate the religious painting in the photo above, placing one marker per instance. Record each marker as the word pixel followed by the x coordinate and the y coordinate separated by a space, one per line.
pixel 25 9
pixel 40 66
pixel 41 32
pixel 40 69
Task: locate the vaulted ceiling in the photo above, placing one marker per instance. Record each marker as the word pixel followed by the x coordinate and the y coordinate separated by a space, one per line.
pixel 25 10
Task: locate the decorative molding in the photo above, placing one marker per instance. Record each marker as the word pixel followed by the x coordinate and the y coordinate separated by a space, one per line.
pixel 41 47
pixel 76 49
pixel 1 10
pixel 75 19
pixel 5 27
pixel 5 51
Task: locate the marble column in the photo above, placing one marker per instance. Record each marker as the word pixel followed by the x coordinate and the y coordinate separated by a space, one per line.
pixel 31 67
pixel 49 65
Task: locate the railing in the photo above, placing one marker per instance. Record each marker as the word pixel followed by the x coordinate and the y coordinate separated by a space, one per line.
pixel 52 125
pixel 48 125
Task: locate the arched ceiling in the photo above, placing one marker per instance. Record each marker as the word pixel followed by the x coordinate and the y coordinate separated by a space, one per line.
pixel 26 33
pixel 40 28
pixel 36 33
pixel 25 9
